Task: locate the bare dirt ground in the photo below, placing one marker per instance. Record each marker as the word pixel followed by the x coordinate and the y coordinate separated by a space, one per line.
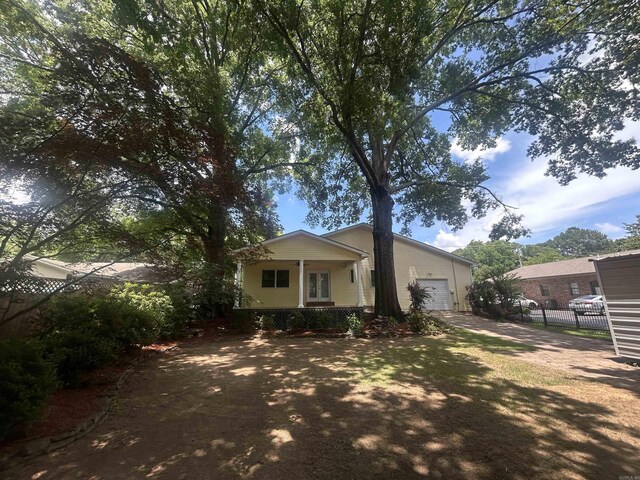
pixel 460 406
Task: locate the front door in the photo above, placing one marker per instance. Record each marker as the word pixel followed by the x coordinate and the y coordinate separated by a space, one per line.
pixel 318 289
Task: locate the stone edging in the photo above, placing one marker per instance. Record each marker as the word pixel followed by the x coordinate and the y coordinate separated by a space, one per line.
pixel 40 446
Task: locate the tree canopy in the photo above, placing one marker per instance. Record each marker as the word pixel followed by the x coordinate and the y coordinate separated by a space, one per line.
pixel 373 77
pixel 167 112
pixel 581 242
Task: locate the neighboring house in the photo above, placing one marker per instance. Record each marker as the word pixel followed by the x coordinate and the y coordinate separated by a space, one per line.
pixel 335 269
pixel 120 271
pixel 556 283
pixel 47 268
pixel 619 275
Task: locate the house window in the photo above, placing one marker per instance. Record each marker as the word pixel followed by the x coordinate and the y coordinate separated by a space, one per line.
pixel 373 278
pixel 544 290
pixel 574 288
pixel 595 288
pixel 352 276
pixel 275 278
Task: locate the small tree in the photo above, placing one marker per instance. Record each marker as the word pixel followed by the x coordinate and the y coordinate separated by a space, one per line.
pixel 418 294
pixel 506 291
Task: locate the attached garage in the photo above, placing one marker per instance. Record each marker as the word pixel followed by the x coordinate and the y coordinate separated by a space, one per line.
pixel 619 277
pixel 440 294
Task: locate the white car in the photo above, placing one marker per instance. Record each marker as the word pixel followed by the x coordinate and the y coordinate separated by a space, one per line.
pixel 525 302
pixel 587 304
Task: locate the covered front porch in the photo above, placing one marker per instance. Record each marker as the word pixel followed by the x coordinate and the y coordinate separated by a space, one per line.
pixel 300 283
pixel 302 270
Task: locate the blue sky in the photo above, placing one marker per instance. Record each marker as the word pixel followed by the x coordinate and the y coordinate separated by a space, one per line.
pixel 548 208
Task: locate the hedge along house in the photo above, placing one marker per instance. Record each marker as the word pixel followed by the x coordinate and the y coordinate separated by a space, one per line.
pixel 619 275
pixel 334 270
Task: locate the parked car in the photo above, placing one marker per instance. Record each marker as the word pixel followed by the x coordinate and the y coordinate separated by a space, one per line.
pixel 520 301
pixel 587 304
pixel 525 302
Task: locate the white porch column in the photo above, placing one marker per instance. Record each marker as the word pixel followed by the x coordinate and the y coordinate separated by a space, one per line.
pixel 236 303
pixel 359 275
pixel 301 284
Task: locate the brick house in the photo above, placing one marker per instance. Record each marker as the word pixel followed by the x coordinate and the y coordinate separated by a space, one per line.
pixel 556 283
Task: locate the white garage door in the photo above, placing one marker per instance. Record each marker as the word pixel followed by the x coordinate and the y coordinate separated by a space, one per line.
pixel 440 294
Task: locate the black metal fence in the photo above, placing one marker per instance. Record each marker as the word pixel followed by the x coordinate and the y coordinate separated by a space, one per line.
pixel 587 317
pixel 310 318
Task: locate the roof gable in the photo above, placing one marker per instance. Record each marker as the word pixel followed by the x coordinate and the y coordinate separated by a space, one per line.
pixel 311 236
pixel 409 240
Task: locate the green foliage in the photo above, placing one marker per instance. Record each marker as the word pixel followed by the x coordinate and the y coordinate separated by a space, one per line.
pixel 418 294
pixel 297 321
pixel 581 242
pixel 266 322
pixel 356 324
pixel 26 382
pixel 244 321
pixel 494 297
pixel 492 258
pixel 424 324
pixel 182 311
pixel 143 310
pixel 76 336
pixel 480 296
pixel 536 254
pixel 632 240
pixel 83 332
pixel 633 229
pixel 507 289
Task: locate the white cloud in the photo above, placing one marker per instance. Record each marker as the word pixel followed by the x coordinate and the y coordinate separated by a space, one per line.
pixel 448 241
pixel 546 205
pixel 486 154
pixel 609 228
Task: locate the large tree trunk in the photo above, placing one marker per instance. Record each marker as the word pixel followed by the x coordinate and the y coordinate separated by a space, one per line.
pixel 386 293
pixel 214 257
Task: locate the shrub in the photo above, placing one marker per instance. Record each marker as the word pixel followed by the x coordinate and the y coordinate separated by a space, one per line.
pixel 244 321
pixel 141 311
pixel 182 313
pixel 355 324
pixel 297 321
pixel 424 324
pixel 392 322
pixel 83 332
pixel 266 322
pixel 76 339
pixel 418 294
pixel 494 297
pixel 26 382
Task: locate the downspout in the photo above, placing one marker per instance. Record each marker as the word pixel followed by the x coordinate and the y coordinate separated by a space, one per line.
pixel 455 283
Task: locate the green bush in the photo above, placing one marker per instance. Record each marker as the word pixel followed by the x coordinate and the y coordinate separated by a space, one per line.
pixel 266 322
pixel 143 311
pixel 494 297
pixel 355 324
pixel 83 332
pixel 182 313
pixel 26 382
pixel 76 339
pixel 297 321
pixel 418 294
pixel 424 324
pixel 244 321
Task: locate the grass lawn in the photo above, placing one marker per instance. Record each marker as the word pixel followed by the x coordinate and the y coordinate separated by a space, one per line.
pixel 586 333
pixel 455 406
